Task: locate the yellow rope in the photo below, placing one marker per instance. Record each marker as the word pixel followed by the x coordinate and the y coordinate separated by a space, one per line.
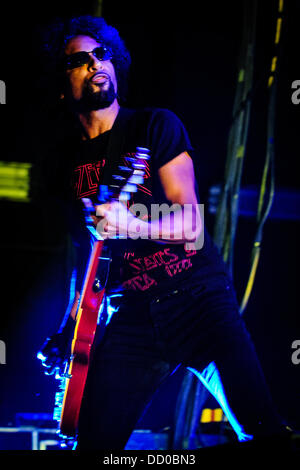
pixel 255 257
pixel 257 244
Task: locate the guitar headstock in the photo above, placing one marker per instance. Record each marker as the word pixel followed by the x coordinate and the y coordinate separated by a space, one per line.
pixel 123 181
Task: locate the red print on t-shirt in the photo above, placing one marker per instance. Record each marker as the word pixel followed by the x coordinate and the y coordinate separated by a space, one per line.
pixel 87 178
pixel 165 259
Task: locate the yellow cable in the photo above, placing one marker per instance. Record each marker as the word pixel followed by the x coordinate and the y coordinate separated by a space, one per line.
pixel 262 191
pixel 280 7
pixel 276 42
pixel 252 275
pixel 278 30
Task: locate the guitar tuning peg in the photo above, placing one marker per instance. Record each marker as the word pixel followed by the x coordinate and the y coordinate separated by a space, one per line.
pixel 124 196
pixel 104 193
pixel 143 152
pixel 130 188
pixel 124 168
pixel 130 160
pixel 136 179
pixel 119 177
pixel 139 166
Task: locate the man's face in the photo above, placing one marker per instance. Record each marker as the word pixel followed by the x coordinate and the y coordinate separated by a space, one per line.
pixel 93 85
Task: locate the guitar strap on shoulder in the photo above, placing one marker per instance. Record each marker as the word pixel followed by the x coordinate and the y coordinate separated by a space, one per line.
pixel 118 134
pixel 129 126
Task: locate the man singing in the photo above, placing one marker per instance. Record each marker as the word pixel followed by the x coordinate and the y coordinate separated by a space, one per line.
pixel 177 305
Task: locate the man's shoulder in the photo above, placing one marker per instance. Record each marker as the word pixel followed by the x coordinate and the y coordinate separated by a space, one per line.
pixel 152 112
pixel 160 113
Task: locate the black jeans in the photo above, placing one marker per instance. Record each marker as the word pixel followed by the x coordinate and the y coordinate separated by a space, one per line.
pixel 198 326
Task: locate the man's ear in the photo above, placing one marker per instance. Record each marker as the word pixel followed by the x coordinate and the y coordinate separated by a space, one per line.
pixel 62 96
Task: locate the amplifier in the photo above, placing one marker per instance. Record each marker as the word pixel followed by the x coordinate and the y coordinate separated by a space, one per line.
pixel 28 438
pixel 34 438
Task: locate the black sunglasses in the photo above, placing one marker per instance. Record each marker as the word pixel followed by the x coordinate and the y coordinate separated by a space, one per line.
pixel 83 57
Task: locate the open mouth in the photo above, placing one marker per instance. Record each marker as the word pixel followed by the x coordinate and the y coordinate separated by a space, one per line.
pixel 99 78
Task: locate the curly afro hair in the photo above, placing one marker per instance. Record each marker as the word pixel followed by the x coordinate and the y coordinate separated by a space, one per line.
pixel 56 36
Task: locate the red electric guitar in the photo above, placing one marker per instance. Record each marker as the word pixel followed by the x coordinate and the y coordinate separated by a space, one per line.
pixel 72 383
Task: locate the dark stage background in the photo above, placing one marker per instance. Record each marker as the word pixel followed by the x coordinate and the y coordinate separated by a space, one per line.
pixel 185 59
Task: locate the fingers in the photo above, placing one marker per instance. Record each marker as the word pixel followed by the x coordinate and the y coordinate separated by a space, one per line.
pixel 53 365
pixel 104 228
pixel 102 210
pixel 54 354
pixel 95 220
pixel 112 219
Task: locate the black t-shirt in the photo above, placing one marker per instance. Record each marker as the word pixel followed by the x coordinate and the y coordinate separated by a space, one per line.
pixel 143 268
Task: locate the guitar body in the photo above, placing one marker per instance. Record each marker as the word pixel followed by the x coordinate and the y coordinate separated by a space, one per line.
pixel 74 380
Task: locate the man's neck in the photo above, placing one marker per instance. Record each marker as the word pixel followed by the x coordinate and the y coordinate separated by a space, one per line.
pixel 96 122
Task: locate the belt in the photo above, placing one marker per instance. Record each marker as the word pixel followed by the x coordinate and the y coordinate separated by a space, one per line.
pixel 168 295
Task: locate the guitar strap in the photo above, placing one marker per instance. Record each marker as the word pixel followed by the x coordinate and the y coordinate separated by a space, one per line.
pixel 129 126
pixel 118 135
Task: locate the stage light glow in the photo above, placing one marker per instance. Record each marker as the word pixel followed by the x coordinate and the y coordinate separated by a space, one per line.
pixel 15 181
pixel 211 379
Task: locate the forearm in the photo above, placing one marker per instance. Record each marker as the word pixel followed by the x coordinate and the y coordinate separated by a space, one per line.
pixel 171 224
pixel 178 226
